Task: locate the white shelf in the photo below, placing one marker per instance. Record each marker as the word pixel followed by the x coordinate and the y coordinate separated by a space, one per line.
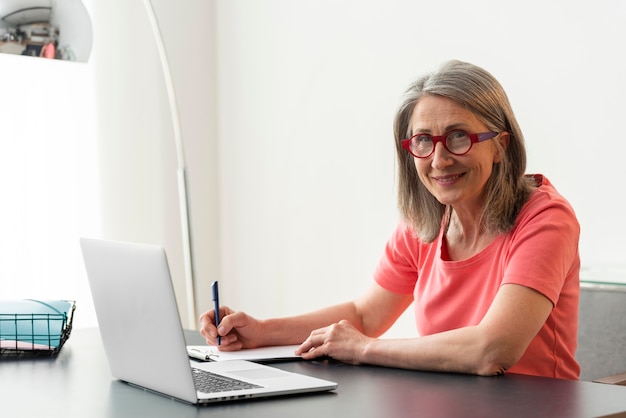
pixel 608 274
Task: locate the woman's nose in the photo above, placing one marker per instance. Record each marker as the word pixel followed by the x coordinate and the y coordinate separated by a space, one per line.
pixel 441 156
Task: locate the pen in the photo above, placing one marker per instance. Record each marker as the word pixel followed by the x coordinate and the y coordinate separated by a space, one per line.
pixel 216 305
pixel 201 354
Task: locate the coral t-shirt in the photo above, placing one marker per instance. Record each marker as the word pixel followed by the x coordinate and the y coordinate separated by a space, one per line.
pixel 540 252
pixel 48 50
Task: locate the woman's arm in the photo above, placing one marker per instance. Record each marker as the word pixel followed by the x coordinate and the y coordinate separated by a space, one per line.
pixel 372 314
pixel 491 347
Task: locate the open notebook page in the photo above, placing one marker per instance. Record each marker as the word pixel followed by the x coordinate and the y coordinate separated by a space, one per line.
pixel 262 354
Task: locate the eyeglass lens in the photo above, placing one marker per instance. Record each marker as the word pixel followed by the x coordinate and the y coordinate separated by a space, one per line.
pixel 457 142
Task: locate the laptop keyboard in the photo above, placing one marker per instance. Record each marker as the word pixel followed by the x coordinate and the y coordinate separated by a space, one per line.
pixel 208 382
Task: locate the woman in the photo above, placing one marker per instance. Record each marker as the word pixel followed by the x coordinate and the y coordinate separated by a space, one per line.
pixel 488 255
pixel 48 50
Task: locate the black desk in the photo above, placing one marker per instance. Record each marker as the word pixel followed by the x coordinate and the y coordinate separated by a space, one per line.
pixel 77 383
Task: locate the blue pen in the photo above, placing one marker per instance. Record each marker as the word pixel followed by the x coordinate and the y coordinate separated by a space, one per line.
pixel 216 305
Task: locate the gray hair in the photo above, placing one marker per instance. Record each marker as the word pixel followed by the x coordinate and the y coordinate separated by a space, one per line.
pixel 507 188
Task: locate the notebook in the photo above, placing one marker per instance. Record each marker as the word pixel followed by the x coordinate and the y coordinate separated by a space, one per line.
pixel 262 354
pixel 143 337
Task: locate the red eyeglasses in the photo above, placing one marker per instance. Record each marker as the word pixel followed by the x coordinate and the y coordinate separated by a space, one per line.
pixel 457 142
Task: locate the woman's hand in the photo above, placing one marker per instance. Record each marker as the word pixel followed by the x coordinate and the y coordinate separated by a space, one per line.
pixel 237 330
pixel 341 341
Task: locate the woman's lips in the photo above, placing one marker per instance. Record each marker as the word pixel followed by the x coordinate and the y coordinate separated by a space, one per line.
pixel 449 179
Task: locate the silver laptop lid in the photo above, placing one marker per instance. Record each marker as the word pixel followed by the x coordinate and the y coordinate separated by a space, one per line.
pixel 138 316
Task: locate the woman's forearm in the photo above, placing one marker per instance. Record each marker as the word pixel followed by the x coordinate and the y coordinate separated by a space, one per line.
pixel 295 329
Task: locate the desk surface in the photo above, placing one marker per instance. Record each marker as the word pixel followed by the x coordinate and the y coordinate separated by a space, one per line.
pixel 77 383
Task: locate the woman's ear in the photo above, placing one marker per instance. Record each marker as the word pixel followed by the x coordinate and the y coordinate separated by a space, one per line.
pixel 503 139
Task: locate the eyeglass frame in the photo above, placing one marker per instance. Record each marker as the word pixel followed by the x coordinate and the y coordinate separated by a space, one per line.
pixel 474 138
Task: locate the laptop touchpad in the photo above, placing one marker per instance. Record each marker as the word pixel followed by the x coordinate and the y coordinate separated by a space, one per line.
pixel 260 373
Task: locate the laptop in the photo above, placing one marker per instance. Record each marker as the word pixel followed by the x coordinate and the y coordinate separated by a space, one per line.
pixel 143 337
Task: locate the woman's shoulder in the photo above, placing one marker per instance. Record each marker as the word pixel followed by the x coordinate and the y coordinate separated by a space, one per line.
pixel 545 189
pixel 546 199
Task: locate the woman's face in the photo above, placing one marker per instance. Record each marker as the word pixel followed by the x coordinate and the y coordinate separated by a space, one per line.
pixel 454 180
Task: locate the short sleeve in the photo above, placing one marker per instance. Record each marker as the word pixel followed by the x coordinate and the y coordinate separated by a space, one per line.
pixel 397 269
pixel 544 244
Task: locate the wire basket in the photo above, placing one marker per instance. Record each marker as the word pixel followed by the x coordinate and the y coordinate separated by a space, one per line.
pixel 35 334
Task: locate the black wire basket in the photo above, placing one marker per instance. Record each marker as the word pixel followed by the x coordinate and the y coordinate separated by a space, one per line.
pixel 35 334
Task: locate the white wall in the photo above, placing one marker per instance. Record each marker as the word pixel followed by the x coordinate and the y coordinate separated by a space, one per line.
pixel 135 133
pixel 307 93
pixel 47 175
pixel 287 109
